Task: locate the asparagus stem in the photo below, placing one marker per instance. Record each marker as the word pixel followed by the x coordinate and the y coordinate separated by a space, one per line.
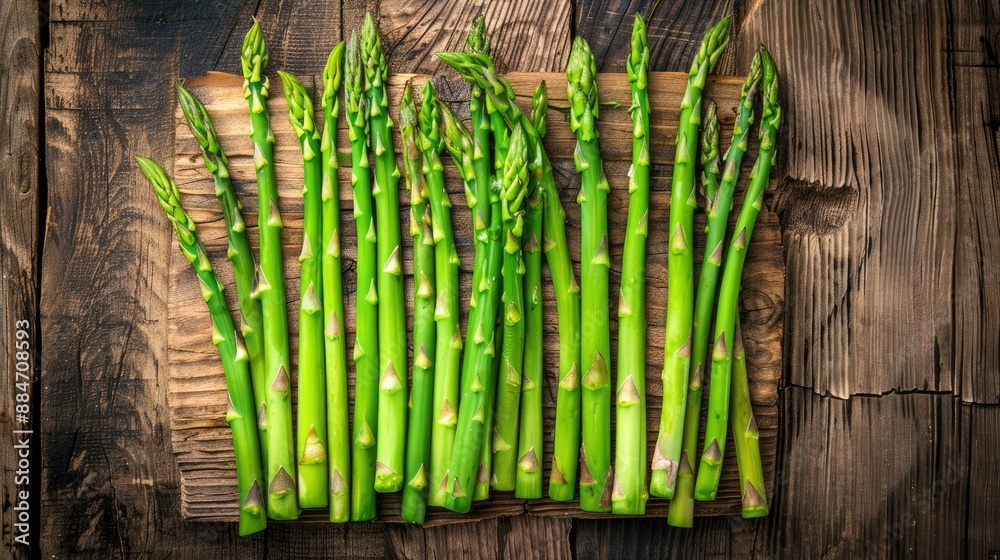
pixel 240 254
pixel 478 42
pixel 682 506
pixel 418 437
pixel 392 401
pixel 508 387
pixel 310 447
pixel 595 351
pixel 630 494
pixel 337 417
pixel 528 483
pixel 235 359
pixel 282 500
pixel 562 479
pixel 680 266
pixel 459 142
pixel 365 427
pixel 710 468
pixel 745 435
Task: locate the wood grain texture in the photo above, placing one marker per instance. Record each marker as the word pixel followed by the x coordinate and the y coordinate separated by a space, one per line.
pixel 196 388
pixel 885 220
pixel 20 115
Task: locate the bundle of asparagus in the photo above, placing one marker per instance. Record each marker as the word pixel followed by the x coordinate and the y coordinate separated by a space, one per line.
pixel 474 422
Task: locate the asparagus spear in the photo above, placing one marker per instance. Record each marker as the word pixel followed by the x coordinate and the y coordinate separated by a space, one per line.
pixel 392 400
pixel 418 437
pixel 595 453
pixel 310 448
pixel 282 501
pixel 235 360
pixel 745 435
pixel 478 42
pixel 710 468
pixel 337 422
pixel 365 428
pixel 459 142
pixel 682 506
pixel 630 494
pixel 511 364
pixel 680 263
pixel 562 481
pixel 528 483
pixel 240 254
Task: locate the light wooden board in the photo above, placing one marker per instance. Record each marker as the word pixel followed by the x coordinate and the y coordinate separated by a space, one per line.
pixel 196 389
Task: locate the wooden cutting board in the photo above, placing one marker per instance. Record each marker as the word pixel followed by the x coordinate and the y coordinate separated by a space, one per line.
pixel 196 388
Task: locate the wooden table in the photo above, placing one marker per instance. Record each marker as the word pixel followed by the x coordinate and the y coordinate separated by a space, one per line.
pixel 888 202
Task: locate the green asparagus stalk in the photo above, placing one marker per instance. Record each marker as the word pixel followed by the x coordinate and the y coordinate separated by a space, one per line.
pixel 235 360
pixel 630 494
pixel 240 254
pixel 337 418
pixel 710 468
pixel 511 365
pixel 418 437
pixel 391 442
pixel 282 500
pixel 459 142
pixel 595 453
pixel 528 483
pixel 745 435
pixel 483 124
pixel 477 69
pixel 479 363
pixel 562 478
pixel 365 427
pixel 448 354
pixel 682 506
pixel 478 43
pixel 311 443
pixel 680 266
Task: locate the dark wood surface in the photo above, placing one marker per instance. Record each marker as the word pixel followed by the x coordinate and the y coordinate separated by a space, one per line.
pixel 20 221
pixel 196 388
pixel 887 198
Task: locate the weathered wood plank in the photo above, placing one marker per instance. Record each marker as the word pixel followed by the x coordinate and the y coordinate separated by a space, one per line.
pixel 913 467
pixel 20 57
pixel 197 395
pixel 982 507
pixel 523 37
pixel 674 30
pixel 106 477
pixel 886 215
pixel 873 477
